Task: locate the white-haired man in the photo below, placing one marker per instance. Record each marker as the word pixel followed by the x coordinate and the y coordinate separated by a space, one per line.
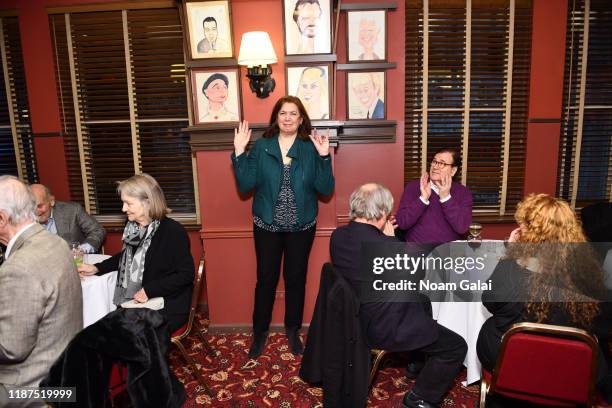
pixel 395 326
pixel 40 291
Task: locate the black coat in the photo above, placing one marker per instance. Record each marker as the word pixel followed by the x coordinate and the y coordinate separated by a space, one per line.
pixel 168 270
pixel 336 353
pixel 137 338
pixel 392 326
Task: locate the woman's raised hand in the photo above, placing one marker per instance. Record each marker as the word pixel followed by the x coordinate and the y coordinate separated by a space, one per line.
pixel 321 142
pixel 242 135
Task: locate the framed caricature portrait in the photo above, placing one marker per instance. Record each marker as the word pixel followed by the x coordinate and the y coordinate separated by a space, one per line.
pixel 312 84
pixel 366 95
pixel 216 95
pixel 367 35
pixel 307 26
pixel 209 29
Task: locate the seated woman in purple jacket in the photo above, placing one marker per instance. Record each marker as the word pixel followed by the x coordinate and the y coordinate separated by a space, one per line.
pixel 436 209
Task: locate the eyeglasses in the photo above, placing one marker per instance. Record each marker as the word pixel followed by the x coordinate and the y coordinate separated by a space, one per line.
pixel 439 164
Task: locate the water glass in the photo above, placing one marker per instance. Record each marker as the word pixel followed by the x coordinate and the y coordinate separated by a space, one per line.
pixel 77 253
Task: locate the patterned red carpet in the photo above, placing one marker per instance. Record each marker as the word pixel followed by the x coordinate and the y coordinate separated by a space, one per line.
pixel 272 380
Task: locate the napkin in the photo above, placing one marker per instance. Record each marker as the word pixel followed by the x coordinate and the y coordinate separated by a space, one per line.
pixel 155 303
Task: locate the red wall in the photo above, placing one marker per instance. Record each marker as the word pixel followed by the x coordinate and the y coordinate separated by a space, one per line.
pixel 226 216
pixel 545 97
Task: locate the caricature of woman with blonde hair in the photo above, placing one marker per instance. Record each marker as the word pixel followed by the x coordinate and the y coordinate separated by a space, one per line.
pixel 312 91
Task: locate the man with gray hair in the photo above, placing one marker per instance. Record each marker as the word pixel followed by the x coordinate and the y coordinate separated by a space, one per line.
pixel 40 291
pixel 395 326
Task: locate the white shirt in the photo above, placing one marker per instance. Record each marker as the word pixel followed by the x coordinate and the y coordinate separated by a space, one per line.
pixel 436 190
pixel 12 241
pixel 50 224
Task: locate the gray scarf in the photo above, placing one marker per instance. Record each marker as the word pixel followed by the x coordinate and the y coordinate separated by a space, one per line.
pixel 136 242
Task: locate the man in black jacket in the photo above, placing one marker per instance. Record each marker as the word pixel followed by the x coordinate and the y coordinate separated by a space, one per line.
pixel 395 326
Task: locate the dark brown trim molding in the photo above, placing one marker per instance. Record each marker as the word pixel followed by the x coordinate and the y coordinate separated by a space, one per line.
pixel 247 233
pixel 545 120
pixel 212 62
pixel 48 134
pixel 368 131
pixel 493 219
pixel 365 66
pixel 289 59
pixel 111 6
pixel 368 6
pixel 212 137
pixel 221 136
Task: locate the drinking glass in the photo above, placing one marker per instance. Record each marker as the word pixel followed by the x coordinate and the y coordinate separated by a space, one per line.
pixel 475 230
pixel 77 253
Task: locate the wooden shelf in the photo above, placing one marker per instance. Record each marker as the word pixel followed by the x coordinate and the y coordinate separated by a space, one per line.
pixel 363 66
pixel 290 59
pixel 216 137
pixel 368 6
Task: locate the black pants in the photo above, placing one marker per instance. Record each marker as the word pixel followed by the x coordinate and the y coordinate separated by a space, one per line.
pixel 444 359
pixel 269 249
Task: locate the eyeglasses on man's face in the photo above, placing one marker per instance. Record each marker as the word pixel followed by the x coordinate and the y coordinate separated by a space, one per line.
pixel 439 164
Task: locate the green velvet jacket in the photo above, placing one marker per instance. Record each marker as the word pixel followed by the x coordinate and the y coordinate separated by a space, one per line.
pixel 261 169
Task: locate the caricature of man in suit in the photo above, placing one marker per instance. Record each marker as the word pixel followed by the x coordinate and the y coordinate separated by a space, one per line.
pixel 367 92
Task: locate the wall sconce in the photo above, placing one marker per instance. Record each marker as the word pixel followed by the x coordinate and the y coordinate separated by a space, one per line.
pixel 256 53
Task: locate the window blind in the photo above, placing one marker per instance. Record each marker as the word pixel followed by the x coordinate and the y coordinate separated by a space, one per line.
pixel 467 79
pixel 16 145
pixel 585 154
pixel 122 72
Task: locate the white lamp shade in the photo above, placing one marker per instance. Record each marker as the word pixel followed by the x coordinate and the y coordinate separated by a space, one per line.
pixel 256 49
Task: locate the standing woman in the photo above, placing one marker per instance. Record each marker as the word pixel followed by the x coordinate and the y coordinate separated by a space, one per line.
pixel 287 167
pixel 156 259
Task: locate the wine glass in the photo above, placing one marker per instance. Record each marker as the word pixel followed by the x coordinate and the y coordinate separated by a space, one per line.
pixel 475 230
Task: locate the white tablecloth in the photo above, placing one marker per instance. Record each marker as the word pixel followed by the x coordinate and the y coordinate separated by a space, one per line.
pixel 97 292
pixel 466 318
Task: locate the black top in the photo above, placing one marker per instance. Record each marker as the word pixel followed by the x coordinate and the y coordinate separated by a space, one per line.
pixel 168 270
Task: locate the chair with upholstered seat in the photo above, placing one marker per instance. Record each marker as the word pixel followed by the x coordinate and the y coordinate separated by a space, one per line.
pixel 545 365
pixel 192 325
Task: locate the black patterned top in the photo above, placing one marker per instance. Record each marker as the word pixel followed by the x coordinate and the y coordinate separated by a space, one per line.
pixel 285 210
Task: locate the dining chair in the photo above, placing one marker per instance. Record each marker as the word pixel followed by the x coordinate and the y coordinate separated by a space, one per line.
pixel 192 325
pixel 544 364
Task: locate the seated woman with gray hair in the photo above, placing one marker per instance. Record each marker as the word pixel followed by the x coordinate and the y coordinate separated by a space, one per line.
pixel 156 259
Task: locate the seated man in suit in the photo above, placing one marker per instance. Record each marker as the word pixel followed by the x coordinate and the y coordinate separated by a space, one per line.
pixel 68 220
pixel 41 306
pixel 436 209
pixel 395 326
